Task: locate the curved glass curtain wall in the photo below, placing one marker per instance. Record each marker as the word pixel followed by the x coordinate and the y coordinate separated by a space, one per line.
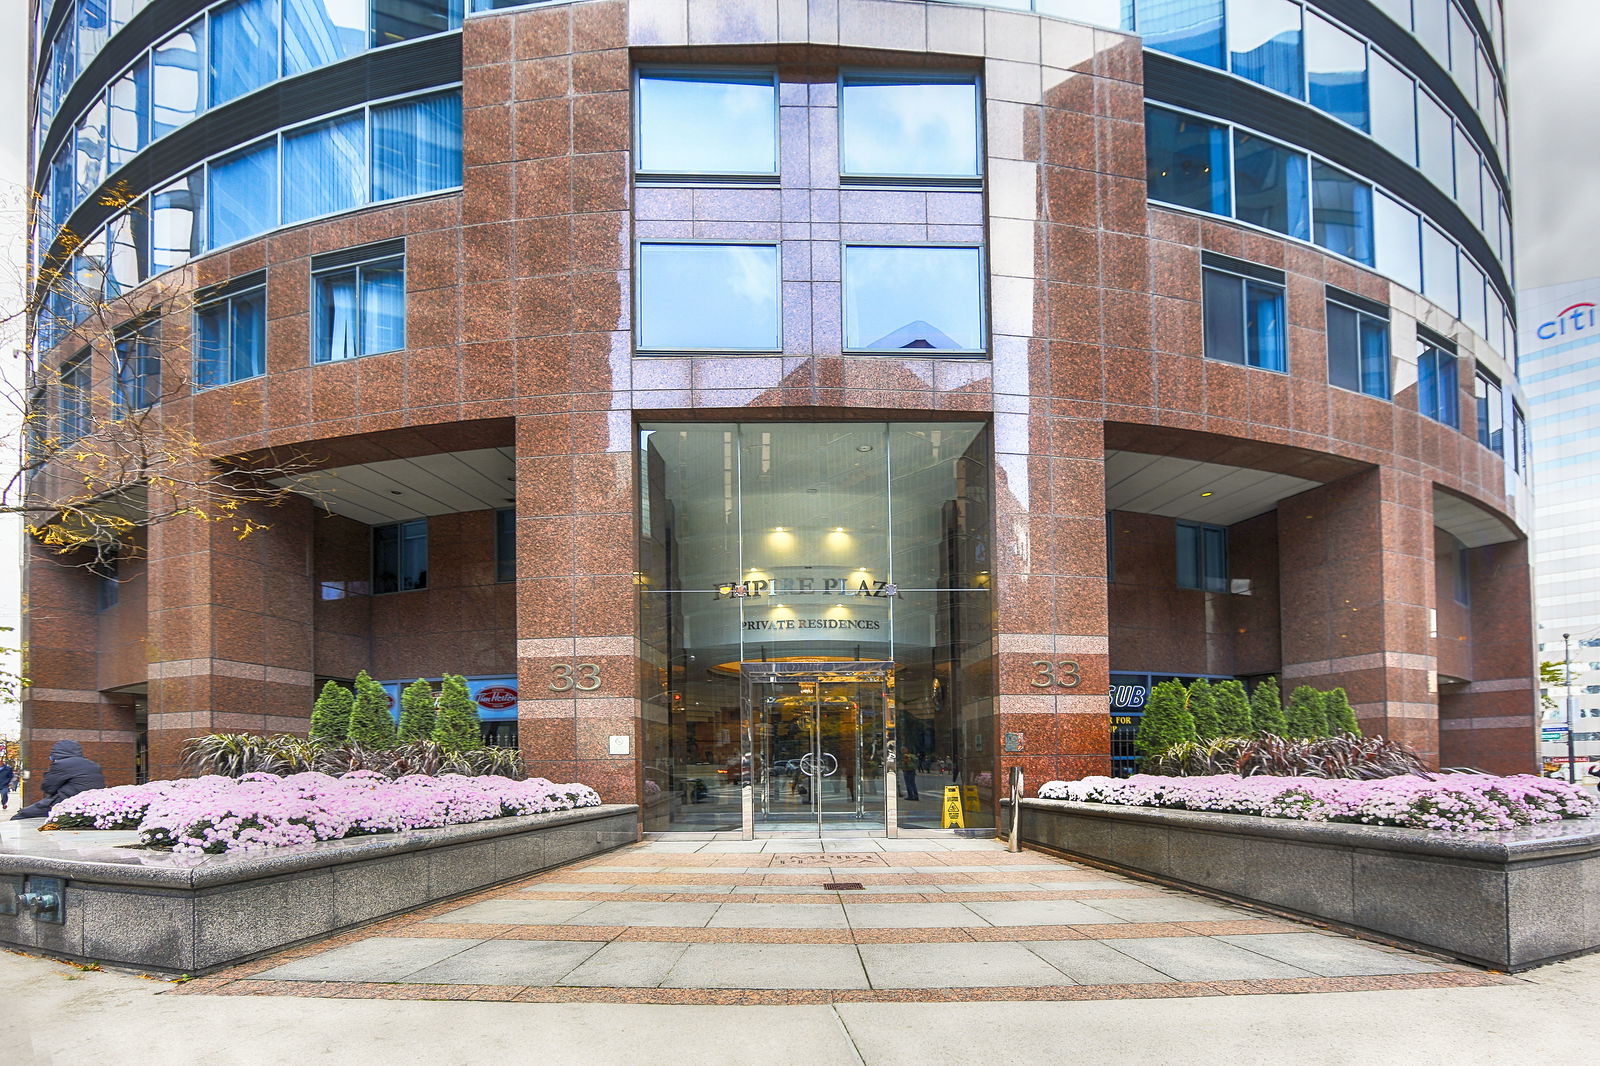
pixel 183 74
pixel 841 542
pixel 368 155
pixel 1205 165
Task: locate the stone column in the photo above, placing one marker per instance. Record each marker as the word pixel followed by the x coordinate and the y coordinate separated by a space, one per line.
pixel 1488 723
pixel 1356 566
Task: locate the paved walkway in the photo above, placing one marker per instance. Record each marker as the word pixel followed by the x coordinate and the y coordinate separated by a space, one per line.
pixel 784 923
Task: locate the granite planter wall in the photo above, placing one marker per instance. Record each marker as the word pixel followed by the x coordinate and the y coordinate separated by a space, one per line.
pixel 182 914
pixel 1507 900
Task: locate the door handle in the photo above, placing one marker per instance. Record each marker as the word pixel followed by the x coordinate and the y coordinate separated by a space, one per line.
pixel 832 769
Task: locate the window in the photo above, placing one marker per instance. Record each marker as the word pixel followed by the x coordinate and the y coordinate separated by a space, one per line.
pixel 1433 27
pixel 1469 194
pixel 1438 389
pixel 917 125
pixel 505 544
pixel 1520 451
pixel 129 102
pixel 92 29
pixel 1439 269
pixel 1269 185
pixel 707 121
pixel 402 20
pixel 707 297
pixel 1244 318
pixel 90 139
pixel 925 297
pixel 1474 311
pixel 1336 71
pixel 1463 54
pixel 1434 139
pixel 175 66
pixel 400 556
pixel 416 146
pixel 127 238
pixel 360 307
pixel 1186 161
pixel 1341 212
pixel 317 32
pixel 1393 111
pixel 1264 43
pixel 1189 29
pixel 177 214
pixel 324 168
pixel 110 588
pixel 1202 557
pixel 1358 344
pixel 243 48
pixel 1461 573
pixel 73 399
pixel 230 333
pixel 243 197
pixel 137 383
pixel 1491 411
pixel 1396 242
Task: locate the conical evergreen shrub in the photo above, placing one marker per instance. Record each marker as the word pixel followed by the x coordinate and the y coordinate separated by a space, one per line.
pixel 330 715
pixel 1232 709
pixel 1306 716
pixel 371 724
pixel 1203 709
pixel 456 727
pixel 1166 720
pixel 1266 709
pixel 1341 718
pixel 416 712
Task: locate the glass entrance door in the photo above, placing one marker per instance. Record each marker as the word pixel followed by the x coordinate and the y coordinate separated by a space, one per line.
pixel 820 737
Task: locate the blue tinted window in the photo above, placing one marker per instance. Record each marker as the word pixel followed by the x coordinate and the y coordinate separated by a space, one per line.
pixel 400 556
pixel 244 195
pixel 317 32
pixel 1186 161
pixel 74 399
pixel 505 544
pixel 1190 29
pixel 1438 390
pixel 1264 40
pixel 1491 413
pixel 360 310
pixel 1244 320
pixel 1269 185
pixel 927 298
pixel 1336 71
pixel 64 61
pixel 1439 269
pixel 92 29
pixel 1358 351
pixel 707 122
pixel 243 48
pixel 231 339
pixel 401 20
pixel 176 80
pixel 90 138
pixel 909 125
pixel 177 214
pixel 416 146
pixel 1396 243
pixel 1202 557
pixel 1393 111
pixel 129 114
pixel 324 168
pixel 137 384
pixel 1341 209
pixel 1434 139
pixel 127 241
pixel 62 198
pixel 720 297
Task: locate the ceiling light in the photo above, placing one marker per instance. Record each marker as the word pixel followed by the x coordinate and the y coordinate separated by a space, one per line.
pixel 1207 494
pixel 863 447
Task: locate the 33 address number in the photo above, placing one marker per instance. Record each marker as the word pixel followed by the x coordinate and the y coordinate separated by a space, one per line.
pixel 585 677
pixel 1066 673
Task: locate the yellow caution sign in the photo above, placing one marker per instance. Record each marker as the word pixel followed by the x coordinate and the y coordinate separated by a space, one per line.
pixel 970 792
pixel 952 817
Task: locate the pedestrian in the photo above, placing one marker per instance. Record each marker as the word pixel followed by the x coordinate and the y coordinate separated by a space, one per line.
pixel 70 773
pixel 7 775
pixel 908 763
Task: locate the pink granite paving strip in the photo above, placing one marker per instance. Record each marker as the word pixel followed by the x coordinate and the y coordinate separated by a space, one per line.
pixel 1242 925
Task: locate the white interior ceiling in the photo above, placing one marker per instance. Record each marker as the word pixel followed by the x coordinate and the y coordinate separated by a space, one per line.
pixel 1165 485
pixel 1468 523
pixel 394 490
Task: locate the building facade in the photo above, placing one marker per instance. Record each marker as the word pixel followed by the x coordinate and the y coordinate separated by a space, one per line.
pixel 782 410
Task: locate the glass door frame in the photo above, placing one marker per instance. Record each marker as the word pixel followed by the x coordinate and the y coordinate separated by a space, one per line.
pixel 753 676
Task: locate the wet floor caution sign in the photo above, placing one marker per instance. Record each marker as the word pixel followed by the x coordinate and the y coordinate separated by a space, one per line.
pixel 970 794
pixel 952 816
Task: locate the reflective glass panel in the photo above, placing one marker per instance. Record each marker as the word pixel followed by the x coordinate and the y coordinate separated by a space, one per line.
pixel 1341 209
pixel 127 241
pixel 1438 390
pixel 1439 269
pixel 1269 185
pixel 1394 108
pixel 1186 161
pixel 359 310
pixel 129 113
pixel 416 146
pixel 1435 134
pixel 177 212
pixel 1491 413
pixel 1224 316
pixel 1112 14
pixel 316 32
pixel 383 306
pixel 248 357
pixel 1358 351
pixel 64 61
pixel 1468 192
pixel 137 383
pixel 926 298
pixel 707 122
pixel 1264 43
pixel 1397 247
pixel 93 26
pixel 1336 71
pixel 1265 326
pixel 909 125
pixel 90 138
pixel 1474 311
pixel 324 168
pixel 1190 29
pixel 1463 57
pixel 63 192
pixel 176 79
pixel 243 48
pixel 1486 90
pixel 400 556
pixel 402 20
pixel 243 195
pixel 708 297
pixel 1432 22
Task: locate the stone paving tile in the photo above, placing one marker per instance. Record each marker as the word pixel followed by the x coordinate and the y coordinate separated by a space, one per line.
pixel 519 911
pixel 643 913
pixel 1333 956
pixel 910 915
pixel 627 964
pixel 805 966
pixel 1202 958
pixel 507 962
pixel 1089 962
pixel 967 965
pixel 779 916
pixel 377 959
pixel 1042 912
pixel 1168 909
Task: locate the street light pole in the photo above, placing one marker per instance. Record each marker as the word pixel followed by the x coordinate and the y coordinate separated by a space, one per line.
pixel 1572 761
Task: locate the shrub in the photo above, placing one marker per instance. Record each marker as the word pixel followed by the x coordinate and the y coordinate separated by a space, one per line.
pixel 1202 705
pixel 1232 708
pixel 1306 716
pixel 416 711
pixel 371 724
pixel 1266 709
pixel 456 727
pixel 330 715
pixel 237 754
pixel 1341 718
pixel 1166 720
pixel 1350 757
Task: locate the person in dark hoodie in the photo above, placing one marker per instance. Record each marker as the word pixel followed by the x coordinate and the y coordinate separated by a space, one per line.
pixel 7 776
pixel 70 773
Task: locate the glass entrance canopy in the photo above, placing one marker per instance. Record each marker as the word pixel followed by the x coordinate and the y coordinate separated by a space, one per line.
pixel 796 543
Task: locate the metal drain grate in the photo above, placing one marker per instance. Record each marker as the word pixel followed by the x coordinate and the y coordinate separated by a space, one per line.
pixel 843 886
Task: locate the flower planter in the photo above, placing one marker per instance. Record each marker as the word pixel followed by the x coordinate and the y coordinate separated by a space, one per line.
pixel 1508 900
pixel 192 914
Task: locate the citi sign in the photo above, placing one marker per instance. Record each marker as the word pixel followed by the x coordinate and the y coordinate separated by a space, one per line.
pixel 1574 319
